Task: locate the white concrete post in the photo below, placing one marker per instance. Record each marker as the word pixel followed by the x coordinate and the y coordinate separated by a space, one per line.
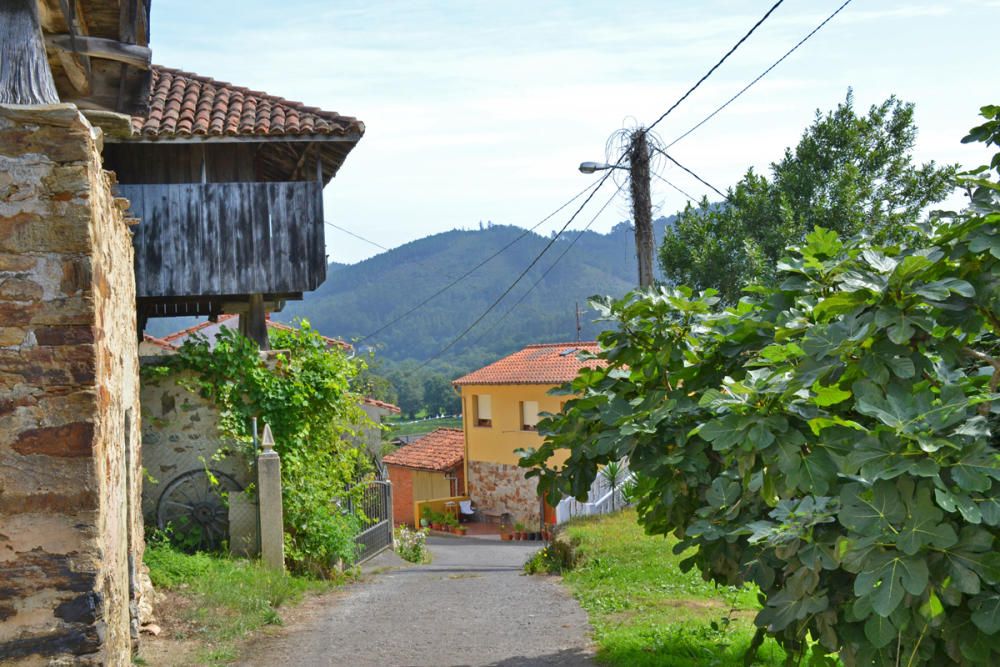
pixel 272 534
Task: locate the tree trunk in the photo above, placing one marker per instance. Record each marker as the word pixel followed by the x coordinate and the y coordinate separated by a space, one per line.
pixel 25 77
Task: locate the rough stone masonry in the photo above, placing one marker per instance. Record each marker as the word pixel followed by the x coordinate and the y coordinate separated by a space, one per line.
pixel 70 529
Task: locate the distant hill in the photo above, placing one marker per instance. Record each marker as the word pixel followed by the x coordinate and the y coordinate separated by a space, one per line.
pixel 357 299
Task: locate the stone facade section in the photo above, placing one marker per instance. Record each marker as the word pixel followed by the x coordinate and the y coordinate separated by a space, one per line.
pixel 180 433
pixel 499 489
pixel 70 529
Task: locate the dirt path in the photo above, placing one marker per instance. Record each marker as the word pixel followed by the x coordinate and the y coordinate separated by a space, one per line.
pixel 471 607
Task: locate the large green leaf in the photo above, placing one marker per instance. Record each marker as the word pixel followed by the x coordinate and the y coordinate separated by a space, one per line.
pixel 871 510
pixel 888 577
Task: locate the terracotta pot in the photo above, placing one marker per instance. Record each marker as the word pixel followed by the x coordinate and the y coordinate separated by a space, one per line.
pixel 506 537
pixel 436 526
pixel 518 535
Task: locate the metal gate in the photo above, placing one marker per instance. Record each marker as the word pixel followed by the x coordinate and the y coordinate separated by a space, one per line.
pixel 376 528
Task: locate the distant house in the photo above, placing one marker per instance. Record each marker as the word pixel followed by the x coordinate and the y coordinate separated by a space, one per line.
pixel 430 467
pixel 501 404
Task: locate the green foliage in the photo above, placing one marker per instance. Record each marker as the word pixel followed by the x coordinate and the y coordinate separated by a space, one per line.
pixel 558 557
pixel 829 439
pixel 229 598
pixel 646 611
pixel 849 173
pixel 304 393
pixel 410 545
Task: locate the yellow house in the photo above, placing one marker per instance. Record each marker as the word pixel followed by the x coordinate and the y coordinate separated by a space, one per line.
pixel 500 407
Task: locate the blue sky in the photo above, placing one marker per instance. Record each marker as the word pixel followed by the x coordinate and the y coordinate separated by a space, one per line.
pixel 482 110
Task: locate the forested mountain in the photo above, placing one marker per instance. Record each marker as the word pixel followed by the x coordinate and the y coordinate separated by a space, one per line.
pixel 358 299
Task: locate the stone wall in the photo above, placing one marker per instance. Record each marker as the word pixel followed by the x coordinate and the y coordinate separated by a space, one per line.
pixel 70 530
pixel 498 489
pixel 180 433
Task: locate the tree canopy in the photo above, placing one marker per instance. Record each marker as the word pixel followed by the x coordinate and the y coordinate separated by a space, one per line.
pixel 832 438
pixel 849 174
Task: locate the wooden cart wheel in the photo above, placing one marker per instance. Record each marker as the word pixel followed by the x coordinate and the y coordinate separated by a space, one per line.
pixel 196 510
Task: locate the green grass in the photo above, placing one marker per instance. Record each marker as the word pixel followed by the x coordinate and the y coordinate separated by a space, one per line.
pixel 646 612
pixel 419 428
pixel 229 598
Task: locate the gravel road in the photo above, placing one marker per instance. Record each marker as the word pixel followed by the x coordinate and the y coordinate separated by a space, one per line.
pixel 472 606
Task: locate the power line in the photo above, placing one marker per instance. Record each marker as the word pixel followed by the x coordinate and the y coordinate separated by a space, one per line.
pixel 702 180
pixel 762 74
pixel 357 236
pixel 716 65
pixel 690 198
pixel 552 266
pixel 477 266
pixel 507 291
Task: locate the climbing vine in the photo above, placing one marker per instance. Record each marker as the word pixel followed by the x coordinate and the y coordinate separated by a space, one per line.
pixel 303 391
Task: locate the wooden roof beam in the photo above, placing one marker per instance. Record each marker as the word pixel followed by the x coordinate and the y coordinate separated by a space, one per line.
pixel 139 57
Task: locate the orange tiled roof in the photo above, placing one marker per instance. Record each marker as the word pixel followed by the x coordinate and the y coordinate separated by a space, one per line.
pixel 548 363
pixel 179 336
pixel 382 404
pixel 158 342
pixel 442 450
pixel 186 104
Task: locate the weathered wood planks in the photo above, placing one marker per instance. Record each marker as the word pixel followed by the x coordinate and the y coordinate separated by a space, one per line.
pixel 227 238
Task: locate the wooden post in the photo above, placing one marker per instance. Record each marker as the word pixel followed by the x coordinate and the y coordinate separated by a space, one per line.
pixel 25 76
pixel 642 207
pixel 253 323
pixel 272 526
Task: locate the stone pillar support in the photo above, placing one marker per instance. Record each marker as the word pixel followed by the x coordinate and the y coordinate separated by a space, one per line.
pixel 272 532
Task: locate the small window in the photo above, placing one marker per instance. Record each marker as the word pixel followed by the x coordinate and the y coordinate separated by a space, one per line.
pixel 482 410
pixel 529 415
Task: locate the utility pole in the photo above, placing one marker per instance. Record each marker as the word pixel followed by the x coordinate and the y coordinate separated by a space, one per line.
pixel 642 207
pixel 578 321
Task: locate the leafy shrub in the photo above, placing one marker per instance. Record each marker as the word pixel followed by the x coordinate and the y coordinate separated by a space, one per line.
pixel 830 438
pixel 304 393
pixel 558 557
pixel 411 545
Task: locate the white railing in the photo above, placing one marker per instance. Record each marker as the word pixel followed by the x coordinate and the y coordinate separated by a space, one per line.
pixel 601 498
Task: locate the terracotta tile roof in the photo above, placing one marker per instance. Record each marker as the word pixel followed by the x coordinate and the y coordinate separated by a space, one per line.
pixel 185 104
pixel 549 363
pixel 231 320
pixel 158 342
pixel 382 404
pixel 442 450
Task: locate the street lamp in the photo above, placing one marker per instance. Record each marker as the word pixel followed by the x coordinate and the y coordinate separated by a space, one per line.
pixel 642 209
pixel 591 167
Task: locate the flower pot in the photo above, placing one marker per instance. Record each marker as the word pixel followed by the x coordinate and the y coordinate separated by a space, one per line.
pixel 518 535
pixel 436 526
pixel 535 536
pixel 506 537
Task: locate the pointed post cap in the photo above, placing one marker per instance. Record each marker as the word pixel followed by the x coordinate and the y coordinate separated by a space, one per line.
pixel 267 442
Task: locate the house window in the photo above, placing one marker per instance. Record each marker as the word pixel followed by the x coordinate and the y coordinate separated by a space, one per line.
pixel 529 415
pixel 482 410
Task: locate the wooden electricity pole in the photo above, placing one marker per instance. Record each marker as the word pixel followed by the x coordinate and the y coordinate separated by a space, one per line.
pixel 642 207
pixel 25 77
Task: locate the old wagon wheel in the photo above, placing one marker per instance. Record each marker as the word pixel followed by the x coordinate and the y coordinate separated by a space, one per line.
pixel 196 510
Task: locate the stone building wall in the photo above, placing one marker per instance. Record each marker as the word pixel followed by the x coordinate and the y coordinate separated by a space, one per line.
pixel 70 529
pixel 180 433
pixel 498 488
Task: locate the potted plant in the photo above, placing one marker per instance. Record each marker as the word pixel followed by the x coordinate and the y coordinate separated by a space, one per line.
pixel 505 533
pixel 437 521
pixel 461 530
pixel 451 524
pixel 425 517
pixel 519 531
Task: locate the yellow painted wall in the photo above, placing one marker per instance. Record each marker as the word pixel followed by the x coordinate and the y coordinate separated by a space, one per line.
pixel 497 443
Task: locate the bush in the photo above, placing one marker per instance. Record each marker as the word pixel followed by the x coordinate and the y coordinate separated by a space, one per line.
pixel 410 544
pixel 829 439
pixel 558 557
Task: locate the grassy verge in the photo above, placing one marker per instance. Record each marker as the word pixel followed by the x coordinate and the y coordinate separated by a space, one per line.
pixel 646 612
pixel 421 427
pixel 223 599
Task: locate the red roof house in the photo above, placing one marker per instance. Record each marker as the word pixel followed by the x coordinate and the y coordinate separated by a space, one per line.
pixel 428 468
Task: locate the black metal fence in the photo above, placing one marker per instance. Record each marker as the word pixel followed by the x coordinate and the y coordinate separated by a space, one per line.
pixel 376 530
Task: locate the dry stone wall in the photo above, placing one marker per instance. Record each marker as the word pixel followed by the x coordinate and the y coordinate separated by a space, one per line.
pixel 499 489
pixel 70 529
